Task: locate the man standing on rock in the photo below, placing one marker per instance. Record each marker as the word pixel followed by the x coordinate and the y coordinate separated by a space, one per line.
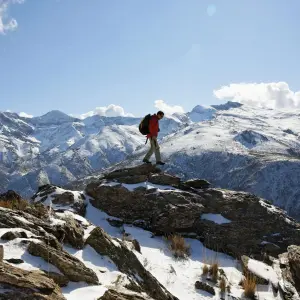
pixel 153 133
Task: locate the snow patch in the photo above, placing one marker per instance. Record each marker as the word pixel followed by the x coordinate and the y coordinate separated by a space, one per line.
pixel 216 218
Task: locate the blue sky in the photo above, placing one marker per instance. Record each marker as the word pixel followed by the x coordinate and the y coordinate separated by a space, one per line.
pixel 76 55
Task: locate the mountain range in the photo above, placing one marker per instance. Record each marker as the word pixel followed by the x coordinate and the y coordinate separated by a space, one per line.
pixel 231 145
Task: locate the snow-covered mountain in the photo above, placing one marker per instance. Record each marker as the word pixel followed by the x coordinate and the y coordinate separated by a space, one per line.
pixel 232 145
pixel 57 148
pixel 241 148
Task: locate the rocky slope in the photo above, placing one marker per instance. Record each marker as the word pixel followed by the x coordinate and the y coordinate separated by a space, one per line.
pixel 128 217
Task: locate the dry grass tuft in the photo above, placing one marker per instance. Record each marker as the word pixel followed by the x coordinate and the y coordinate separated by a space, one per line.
pixel 205 270
pixel 214 271
pixel 178 246
pixel 249 285
pixel 223 284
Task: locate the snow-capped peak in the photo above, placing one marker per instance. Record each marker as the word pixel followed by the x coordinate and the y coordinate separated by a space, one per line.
pixel 53 117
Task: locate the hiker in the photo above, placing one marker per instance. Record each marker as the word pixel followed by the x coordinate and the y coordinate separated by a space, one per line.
pixel 152 135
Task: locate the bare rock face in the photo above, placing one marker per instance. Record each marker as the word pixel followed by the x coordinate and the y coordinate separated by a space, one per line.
pixel 70 266
pixel 25 285
pixel 294 262
pixel 128 263
pixel 164 212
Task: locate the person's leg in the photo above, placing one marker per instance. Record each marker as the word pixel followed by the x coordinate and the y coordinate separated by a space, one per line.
pixel 156 149
pixel 151 150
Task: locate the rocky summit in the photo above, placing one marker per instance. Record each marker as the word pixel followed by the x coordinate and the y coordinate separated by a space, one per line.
pixel 141 234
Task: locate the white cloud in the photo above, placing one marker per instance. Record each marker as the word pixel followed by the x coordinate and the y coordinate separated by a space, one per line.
pixel 110 111
pixel 7 24
pixel 272 95
pixel 168 109
pixel 25 115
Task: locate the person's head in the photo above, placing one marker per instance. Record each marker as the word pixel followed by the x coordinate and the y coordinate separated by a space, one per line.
pixel 160 115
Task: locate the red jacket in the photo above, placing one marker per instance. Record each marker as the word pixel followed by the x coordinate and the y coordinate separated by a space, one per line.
pixel 153 126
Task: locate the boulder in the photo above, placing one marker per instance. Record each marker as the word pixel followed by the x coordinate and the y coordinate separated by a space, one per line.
pixel 116 295
pixel 205 287
pixel 128 263
pixel 11 235
pixel 70 266
pixel 25 285
pixel 164 179
pixel 197 183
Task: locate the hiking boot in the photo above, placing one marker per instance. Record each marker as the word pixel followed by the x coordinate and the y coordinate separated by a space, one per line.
pixel 160 163
pixel 146 161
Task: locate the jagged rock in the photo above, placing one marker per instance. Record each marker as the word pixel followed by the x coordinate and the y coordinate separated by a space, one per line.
pixel 164 179
pixel 115 295
pixel 127 263
pixel 39 228
pixel 73 233
pixel 60 199
pixel 145 169
pixel 15 261
pixel 59 279
pixel 294 263
pixel 22 284
pixel 167 211
pixel 11 235
pixel 197 183
pixel 70 266
pixel 205 287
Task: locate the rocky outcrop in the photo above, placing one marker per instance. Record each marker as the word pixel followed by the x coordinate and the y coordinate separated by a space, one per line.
pixel 145 169
pixel 25 285
pixel 249 225
pixel 294 263
pixel 163 212
pixel 71 232
pixel 67 198
pixel 70 266
pixel 128 263
pixel 116 295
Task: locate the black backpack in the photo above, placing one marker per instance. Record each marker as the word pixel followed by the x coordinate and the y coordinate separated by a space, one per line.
pixel 144 125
